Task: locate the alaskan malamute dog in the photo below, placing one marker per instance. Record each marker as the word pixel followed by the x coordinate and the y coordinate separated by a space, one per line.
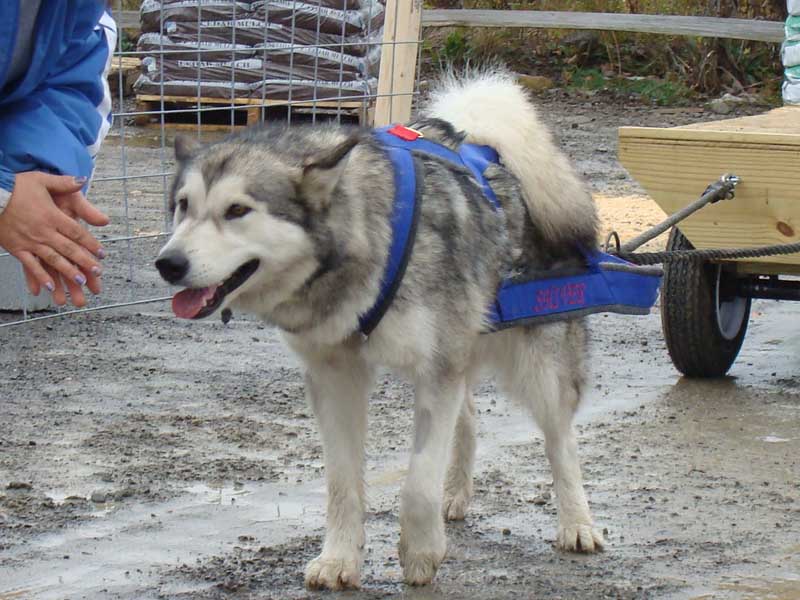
pixel 293 225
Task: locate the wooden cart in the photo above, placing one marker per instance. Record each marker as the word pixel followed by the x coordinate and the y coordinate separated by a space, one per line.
pixel 705 305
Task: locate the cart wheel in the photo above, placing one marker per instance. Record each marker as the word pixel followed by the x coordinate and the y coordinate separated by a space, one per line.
pixel 704 322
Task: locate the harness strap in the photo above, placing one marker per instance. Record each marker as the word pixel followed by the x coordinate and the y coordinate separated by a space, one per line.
pixel 400 142
pixel 472 156
pixel 405 215
pixel 605 284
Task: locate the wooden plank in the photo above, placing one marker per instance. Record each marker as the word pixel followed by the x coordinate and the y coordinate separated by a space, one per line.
pixel 740 29
pixel 125 63
pixel 252 108
pixel 398 61
pixel 767 268
pixel 253 115
pixel 126 19
pixel 779 120
pixel 129 66
pixel 743 29
pixel 676 135
pixel 348 104
pixel 675 165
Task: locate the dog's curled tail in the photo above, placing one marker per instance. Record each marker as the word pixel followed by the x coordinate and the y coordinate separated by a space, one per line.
pixel 491 108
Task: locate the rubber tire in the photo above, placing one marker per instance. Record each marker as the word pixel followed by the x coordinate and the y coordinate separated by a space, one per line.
pixel 689 316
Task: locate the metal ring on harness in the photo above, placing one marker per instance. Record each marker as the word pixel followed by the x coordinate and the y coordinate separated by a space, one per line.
pixel 617 243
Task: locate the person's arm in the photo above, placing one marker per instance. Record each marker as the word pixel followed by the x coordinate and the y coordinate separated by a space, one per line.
pixel 56 129
pixel 58 126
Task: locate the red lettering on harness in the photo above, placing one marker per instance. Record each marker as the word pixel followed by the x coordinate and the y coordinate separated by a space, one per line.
pixel 405 133
pixel 553 298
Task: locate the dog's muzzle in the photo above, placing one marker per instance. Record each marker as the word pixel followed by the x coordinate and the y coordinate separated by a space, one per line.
pixel 173 266
pixel 199 302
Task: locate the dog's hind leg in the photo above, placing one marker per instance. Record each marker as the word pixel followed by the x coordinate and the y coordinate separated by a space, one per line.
pixel 458 484
pixel 576 531
pixel 422 538
pixel 338 389
pixel 544 369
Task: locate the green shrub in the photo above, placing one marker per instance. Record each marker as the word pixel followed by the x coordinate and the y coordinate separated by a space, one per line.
pixel 660 68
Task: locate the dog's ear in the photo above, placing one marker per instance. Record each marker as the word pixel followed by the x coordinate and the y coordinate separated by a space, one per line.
pixel 321 173
pixel 186 147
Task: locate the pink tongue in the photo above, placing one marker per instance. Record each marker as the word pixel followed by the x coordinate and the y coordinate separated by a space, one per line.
pixel 188 303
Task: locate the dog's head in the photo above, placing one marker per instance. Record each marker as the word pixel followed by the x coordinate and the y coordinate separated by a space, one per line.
pixel 242 210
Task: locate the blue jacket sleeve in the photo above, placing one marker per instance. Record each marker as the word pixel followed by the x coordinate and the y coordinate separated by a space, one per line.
pixel 57 124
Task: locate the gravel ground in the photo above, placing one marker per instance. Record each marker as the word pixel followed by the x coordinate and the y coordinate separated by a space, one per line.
pixel 145 457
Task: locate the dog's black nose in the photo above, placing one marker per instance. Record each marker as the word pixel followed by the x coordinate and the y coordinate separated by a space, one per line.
pixel 173 266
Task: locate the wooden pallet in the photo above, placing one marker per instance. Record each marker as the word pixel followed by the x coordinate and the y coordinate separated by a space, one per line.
pixel 675 165
pixel 247 111
pixel 130 67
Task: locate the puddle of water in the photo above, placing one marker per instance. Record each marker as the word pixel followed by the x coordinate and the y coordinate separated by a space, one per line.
pixel 752 588
pixel 126 551
pixel 781 582
pixel 219 494
pixel 241 496
pixel 774 439
pixel 99 509
pixel 60 496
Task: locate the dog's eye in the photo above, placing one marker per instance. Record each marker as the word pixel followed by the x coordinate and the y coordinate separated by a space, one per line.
pixel 237 210
pixel 182 204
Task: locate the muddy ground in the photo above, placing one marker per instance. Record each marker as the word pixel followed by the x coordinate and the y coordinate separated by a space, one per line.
pixel 143 457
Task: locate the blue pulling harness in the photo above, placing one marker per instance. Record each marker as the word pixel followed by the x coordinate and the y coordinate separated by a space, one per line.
pixel 605 283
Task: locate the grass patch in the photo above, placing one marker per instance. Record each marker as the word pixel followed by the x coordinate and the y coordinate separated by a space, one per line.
pixel 653 90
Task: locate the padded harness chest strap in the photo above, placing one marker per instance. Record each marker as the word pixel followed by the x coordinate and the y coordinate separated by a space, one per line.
pixel 405 215
pixel 399 143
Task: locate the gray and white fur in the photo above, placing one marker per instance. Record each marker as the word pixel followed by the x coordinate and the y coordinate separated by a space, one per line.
pixel 317 203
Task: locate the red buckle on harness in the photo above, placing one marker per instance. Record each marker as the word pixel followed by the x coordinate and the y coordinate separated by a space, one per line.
pixel 405 133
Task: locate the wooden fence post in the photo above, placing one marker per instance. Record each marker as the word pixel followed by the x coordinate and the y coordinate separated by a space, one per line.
pixel 398 61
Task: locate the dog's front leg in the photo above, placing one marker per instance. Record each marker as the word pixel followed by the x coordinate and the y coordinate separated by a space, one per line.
pixel 422 538
pixel 338 390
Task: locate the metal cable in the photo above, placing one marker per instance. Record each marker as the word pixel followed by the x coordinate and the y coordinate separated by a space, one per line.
pixel 654 258
pixel 722 189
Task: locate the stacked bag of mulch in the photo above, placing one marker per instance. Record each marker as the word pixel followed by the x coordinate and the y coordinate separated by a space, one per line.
pixel 790 54
pixel 272 49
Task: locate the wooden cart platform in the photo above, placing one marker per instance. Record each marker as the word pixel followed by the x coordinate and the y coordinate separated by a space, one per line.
pixel 247 111
pixel 675 164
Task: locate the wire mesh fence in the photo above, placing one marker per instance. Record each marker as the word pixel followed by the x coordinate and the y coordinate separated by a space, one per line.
pixel 209 67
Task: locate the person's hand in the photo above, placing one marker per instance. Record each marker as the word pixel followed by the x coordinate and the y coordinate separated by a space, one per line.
pixel 39 227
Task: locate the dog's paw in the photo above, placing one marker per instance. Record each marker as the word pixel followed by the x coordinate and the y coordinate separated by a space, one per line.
pixel 333 574
pixel 420 565
pixel 419 568
pixel 579 537
pixel 456 505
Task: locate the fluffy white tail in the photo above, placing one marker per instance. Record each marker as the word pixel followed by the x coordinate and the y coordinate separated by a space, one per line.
pixel 492 109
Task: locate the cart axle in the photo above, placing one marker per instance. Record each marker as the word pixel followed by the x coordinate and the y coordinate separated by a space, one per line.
pixel 768 289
